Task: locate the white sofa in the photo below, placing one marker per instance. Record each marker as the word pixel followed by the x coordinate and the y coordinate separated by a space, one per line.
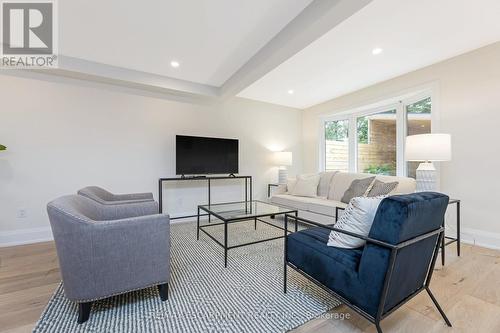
pixel 331 188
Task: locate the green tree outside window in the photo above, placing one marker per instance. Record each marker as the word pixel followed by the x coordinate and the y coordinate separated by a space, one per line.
pixel 363 130
pixel 337 130
pixel 423 106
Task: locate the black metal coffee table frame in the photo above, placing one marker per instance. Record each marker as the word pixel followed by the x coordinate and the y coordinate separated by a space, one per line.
pixel 226 221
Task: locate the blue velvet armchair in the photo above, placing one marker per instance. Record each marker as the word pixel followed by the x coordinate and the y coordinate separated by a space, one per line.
pixel 395 264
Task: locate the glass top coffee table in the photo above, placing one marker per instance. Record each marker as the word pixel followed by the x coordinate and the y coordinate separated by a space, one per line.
pixel 234 212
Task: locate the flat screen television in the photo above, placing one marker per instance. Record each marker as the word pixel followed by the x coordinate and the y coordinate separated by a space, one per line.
pixel 202 156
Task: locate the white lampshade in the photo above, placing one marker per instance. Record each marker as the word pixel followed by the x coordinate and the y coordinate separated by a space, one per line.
pixel 428 147
pixel 283 158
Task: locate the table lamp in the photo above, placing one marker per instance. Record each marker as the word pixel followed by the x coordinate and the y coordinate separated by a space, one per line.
pixel 283 159
pixel 427 148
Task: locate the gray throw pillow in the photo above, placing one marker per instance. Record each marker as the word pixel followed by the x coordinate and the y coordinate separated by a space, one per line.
pixel 381 188
pixel 357 188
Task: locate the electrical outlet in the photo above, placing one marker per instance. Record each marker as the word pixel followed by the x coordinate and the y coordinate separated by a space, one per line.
pixel 22 213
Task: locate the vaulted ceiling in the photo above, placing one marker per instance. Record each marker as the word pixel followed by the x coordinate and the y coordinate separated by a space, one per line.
pixel 211 39
pixel 289 52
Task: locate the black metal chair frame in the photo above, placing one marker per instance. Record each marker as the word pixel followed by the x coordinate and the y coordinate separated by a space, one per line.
pixel 387 282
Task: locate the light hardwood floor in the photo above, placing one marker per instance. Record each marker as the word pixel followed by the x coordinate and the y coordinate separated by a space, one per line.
pixel 468 288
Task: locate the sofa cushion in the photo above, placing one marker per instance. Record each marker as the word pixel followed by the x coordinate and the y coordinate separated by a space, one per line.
pixel 306 186
pixel 315 205
pixel 406 185
pixel 324 206
pixel 324 183
pixel 358 188
pixel 300 203
pixel 340 183
pixel 380 188
pixel 290 185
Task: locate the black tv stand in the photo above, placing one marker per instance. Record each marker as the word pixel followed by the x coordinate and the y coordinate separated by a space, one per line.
pixel 209 180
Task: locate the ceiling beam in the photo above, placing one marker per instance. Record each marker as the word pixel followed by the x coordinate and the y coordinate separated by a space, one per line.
pixel 313 22
pixel 80 69
pixel 89 68
pixel 113 85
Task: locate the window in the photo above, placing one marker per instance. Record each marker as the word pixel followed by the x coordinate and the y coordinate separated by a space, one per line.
pixel 418 121
pixel 337 145
pixel 372 140
pixel 376 143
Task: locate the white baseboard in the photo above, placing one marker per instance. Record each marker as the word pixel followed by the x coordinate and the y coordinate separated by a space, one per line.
pixel 481 238
pixel 25 236
pixel 472 236
pixel 44 234
pixel 183 214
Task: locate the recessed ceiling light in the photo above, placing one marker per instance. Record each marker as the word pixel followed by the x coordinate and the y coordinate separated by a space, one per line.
pixel 377 50
pixel 174 64
pixel 291 91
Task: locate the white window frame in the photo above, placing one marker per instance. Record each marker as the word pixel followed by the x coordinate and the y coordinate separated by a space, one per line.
pixel 365 113
pixel 322 140
pixel 395 103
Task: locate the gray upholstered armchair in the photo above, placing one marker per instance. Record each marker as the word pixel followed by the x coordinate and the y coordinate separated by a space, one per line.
pixel 106 250
pixel 107 198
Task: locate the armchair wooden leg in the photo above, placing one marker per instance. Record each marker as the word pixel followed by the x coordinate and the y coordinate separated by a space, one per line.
pixel 438 307
pixel 163 290
pixel 84 312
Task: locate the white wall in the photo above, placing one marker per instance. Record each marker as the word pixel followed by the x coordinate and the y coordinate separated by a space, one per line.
pixel 63 134
pixel 467 96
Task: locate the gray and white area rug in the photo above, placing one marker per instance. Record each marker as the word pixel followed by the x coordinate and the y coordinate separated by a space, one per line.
pixel 204 296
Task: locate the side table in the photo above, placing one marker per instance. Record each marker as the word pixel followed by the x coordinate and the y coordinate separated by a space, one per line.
pixel 452 239
pixel 269 188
